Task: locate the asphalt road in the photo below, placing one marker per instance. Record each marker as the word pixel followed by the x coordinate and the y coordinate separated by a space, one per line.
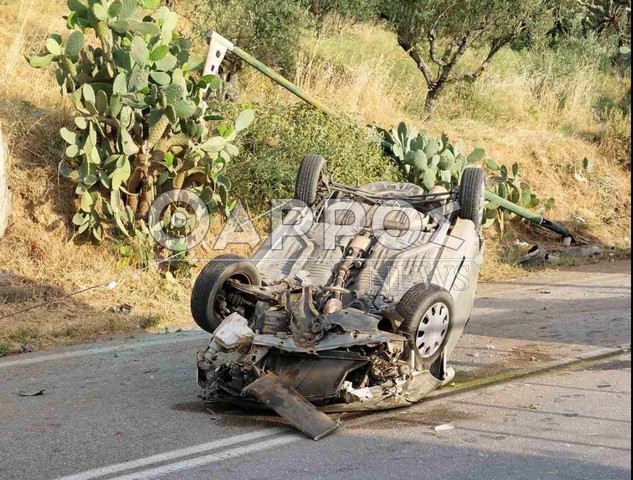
pixel 128 408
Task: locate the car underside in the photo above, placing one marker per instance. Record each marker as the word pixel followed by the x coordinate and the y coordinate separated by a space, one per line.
pixel 353 303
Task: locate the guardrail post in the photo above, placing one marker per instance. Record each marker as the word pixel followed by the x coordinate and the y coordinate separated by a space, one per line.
pixel 5 194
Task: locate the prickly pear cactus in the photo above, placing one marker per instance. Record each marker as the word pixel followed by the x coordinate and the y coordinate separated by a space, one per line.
pixel 428 161
pixel 141 127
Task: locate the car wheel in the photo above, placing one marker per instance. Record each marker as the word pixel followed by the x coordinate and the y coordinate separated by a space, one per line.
pixel 209 295
pixel 309 178
pixel 427 313
pixel 471 196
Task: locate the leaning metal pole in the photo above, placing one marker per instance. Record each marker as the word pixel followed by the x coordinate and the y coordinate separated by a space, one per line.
pixel 218 46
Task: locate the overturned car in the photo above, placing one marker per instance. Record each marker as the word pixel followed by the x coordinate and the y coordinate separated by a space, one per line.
pixel 355 301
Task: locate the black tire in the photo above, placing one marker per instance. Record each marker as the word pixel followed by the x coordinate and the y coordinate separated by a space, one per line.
pixel 310 174
pixel 211 280
pixel 472 189
pixel 413 308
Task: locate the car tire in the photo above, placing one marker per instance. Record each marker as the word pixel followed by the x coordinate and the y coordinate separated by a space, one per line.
pixel 427 313
pixel 211 280
pixel 472 190
pixel 309 177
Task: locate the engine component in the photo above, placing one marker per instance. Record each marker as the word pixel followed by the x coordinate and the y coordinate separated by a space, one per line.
pixel 333 305
pixel 276 321
pixel 305 322
pixel 233 332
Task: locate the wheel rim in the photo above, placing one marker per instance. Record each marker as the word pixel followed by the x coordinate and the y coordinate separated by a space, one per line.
pixel 432 329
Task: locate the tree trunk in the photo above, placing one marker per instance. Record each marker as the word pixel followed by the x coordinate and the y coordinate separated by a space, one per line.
pixel 432 96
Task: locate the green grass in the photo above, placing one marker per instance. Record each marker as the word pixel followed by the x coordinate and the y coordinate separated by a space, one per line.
pixel 149 321
pixel 24 335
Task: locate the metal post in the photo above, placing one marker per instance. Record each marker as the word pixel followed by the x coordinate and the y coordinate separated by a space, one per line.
pixel 527 214
pixel 218 46
pixel 5 193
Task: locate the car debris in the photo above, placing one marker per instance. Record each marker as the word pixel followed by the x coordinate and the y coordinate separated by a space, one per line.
pixel 340 312
pixel 35 393
pixel 444 427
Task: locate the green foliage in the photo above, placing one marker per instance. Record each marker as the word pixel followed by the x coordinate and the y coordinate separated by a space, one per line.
pixel 4 349
pixel 508 185
pixel 354 10
pixel 269 29
pixel 489 19
pixel 282 135
pixel 141 127
pixel 428 161
pixel 149 321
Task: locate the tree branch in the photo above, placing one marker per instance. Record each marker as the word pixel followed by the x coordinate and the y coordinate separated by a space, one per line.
pixel 434 59
pixel 407 45
pixel 496 45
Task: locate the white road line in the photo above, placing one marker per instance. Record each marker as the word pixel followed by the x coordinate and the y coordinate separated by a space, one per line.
pixel 173 455
pixel 212 458
pixel 22 361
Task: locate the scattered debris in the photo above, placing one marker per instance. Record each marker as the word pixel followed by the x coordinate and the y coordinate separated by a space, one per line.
pixel 32 394
pixel 538 255
pixel 124 309
pixel 444 427
pixel 534 406
pixel 490 346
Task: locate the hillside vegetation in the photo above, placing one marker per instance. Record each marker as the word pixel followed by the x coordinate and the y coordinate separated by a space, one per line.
pixel 546 109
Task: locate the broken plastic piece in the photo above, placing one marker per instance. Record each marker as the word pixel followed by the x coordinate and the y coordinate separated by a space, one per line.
pixel 444 427
pixel 233 331
pixel 291 405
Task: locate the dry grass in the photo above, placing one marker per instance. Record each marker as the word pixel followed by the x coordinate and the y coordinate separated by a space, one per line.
pixel 40 262
pixel 516 115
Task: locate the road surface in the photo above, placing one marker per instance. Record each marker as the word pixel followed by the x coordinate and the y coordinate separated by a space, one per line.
pixel 129 408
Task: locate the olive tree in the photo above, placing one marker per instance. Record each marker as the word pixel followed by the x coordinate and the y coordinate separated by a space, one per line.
pixel 437 33
pixel 350 10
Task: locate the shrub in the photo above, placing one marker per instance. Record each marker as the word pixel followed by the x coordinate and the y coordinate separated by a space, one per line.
pixel 149 321
pixel 141 126
pixel 269 29
pixel 282 135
